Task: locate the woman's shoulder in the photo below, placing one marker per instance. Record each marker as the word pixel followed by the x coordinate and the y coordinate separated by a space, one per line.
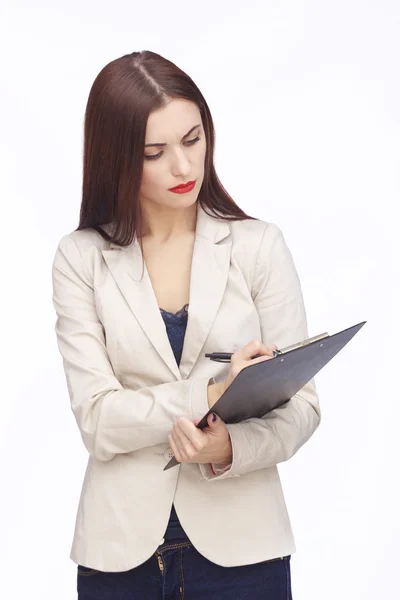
pixel 84 239
pixel 80 249
pixel 254 232
pixel 253 243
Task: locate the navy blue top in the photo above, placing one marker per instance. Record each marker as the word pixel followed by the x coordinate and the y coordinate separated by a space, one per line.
pixel 175 324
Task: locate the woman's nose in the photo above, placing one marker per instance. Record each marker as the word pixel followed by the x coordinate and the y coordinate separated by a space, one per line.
pixel 181 165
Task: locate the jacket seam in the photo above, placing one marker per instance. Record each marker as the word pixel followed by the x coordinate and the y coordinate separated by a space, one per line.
pixel 256 260
pixel 82 262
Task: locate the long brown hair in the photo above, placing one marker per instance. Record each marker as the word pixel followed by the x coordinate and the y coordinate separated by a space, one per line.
pixel 122 96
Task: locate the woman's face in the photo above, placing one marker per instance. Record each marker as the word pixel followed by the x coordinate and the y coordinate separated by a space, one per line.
pixel 178 156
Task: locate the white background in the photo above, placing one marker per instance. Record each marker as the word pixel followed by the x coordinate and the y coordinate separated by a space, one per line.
pixel 305 97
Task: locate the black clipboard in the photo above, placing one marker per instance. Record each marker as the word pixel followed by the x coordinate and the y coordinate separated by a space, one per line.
pixel 264 386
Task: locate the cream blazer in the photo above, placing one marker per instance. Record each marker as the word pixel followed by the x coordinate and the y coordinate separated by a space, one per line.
pixel 126 391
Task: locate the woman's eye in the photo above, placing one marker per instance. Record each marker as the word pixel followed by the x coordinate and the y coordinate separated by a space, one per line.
pixel 193 141
pixel 155 156
pixel 152 156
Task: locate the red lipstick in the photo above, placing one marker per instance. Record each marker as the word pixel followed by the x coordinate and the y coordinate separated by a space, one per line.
pixel 183 188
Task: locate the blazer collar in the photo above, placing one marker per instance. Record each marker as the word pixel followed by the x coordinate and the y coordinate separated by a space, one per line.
pixel 209 275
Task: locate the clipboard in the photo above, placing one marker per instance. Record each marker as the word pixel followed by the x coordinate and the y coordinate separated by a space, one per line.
pixel 262 387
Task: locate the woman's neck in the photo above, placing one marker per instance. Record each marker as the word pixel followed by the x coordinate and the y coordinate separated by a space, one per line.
pixel 163 224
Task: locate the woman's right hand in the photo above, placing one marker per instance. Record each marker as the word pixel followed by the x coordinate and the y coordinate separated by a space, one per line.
pixel 240 360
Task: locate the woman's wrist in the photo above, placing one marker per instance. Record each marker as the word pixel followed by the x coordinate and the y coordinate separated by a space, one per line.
pixel 224 462
pixel 225 455
pixel 214 392
pixel 228 455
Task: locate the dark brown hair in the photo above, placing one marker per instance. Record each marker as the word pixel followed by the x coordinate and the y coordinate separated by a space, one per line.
pixel 122 96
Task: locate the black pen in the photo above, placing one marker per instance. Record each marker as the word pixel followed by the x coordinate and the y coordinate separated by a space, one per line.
pixel 226 356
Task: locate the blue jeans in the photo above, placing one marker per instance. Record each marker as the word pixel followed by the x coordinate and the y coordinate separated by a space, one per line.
pixel 178 572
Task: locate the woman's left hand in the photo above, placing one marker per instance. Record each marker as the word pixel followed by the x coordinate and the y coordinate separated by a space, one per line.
pixel 210 445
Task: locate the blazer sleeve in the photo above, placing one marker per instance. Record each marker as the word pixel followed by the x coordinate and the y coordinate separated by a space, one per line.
pixel 264 442
pixel 111 419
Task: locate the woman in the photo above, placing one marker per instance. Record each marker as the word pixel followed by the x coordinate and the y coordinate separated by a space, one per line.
pixel 163 268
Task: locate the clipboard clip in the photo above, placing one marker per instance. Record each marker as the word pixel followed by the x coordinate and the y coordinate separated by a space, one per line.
pixel 306 342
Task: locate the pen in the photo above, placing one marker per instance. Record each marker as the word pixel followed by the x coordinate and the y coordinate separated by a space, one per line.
pixel 226 356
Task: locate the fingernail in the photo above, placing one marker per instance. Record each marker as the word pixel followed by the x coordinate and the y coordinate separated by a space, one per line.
pixel 214 417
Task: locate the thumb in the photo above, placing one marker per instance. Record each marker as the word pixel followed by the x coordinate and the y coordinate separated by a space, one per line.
pixel 213 420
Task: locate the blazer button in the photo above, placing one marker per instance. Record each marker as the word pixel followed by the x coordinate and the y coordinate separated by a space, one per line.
pixel 168 454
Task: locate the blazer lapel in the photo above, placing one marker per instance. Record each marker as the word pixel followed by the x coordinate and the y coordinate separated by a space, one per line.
pixel 126 265
pixel 209 274
pixel 208 279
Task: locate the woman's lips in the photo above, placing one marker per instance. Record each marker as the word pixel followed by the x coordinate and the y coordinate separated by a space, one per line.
pixel 183 189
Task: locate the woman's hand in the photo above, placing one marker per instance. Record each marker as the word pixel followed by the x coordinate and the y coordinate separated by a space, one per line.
pixel 212 444
pixel 240 360
pixel 193 445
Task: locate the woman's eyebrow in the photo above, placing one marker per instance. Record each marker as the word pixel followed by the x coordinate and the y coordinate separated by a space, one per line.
pixel 186 134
